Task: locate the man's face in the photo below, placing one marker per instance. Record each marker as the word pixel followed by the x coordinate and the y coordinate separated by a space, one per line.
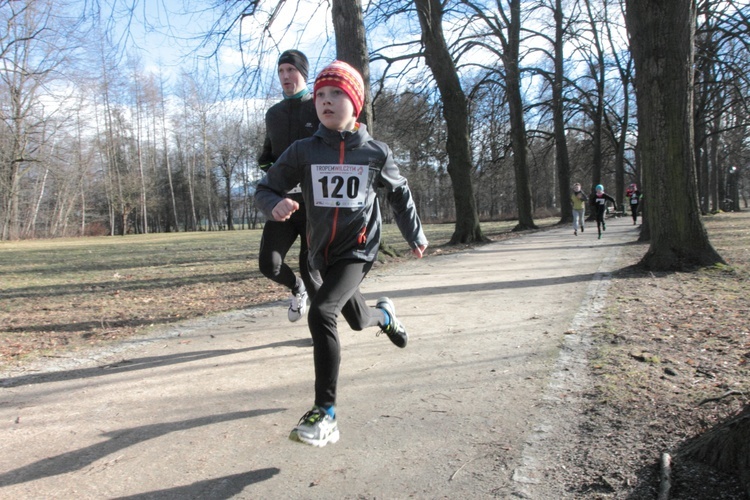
pixel 291 79
pixel 576 187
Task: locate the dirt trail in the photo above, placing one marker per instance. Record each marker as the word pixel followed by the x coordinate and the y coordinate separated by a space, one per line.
pixel 203 409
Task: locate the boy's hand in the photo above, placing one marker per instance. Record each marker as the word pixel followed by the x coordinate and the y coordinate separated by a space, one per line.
pixel 419 251
pixel 284 209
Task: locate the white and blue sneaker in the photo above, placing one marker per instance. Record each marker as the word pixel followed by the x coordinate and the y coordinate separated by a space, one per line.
pixel 298 306
pixel 395 330
pixel 316 428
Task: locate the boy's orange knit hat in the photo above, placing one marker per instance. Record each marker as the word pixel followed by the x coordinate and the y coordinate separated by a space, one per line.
pixel 342 75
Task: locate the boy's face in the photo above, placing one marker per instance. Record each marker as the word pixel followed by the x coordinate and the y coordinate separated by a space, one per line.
pixel 335 109
pixel 291 79
pixel 576 187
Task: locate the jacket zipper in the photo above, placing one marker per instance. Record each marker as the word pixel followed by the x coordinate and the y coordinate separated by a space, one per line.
pixel 342 157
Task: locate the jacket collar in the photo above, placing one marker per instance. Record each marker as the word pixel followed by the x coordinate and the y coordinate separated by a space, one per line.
pixel 351 140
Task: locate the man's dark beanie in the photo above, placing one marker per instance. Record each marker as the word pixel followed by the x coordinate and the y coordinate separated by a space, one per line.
pixel 296 59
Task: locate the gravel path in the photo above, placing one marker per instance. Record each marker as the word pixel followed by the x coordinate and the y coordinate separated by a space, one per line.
pixel 470 409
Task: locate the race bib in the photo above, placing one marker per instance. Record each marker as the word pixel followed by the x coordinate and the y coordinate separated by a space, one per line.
pixel 340 185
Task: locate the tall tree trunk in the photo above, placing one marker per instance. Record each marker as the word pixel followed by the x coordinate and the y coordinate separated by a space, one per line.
pixel 455 111
pixel 351 47
pixel 517 123
pixel 138 97
pixel 714 146
pixel 12 222
pixel 228 193
pixel 31 227
pixel 561 146
pixel 662 36
pixel 207 170
pixel 624 69
pixel 597 69
pixel 165 144
pixel 702 165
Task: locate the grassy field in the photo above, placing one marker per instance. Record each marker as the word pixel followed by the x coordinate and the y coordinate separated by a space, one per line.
pixel 71 293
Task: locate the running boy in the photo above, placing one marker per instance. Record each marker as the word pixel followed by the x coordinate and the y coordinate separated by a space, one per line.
pixel 599 201
pixel 339 169
pixel 578 199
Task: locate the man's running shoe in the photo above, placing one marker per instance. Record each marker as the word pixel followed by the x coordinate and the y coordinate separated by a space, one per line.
pixel 581 227
pixel 298 306
pixel 395 330
pixel 316 428
pixel 604 226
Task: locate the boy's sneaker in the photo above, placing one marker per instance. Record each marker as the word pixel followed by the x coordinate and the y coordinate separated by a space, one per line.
pixel 604 226
pixel 298 306
pixel 316 428
pixel 581 227
pixel 395 330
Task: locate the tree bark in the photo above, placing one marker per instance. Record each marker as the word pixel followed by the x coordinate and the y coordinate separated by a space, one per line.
pixel 662 36
pixel 518 126
pixel 562 160
pixel 351 47
pixel 725 446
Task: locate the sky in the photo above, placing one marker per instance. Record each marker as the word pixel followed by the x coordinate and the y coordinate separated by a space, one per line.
pixel 170 35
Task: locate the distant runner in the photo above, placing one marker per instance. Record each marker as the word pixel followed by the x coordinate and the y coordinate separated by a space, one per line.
pixel 578 198
pixel 599 201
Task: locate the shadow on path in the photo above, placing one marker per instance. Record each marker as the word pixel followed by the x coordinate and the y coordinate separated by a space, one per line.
pixel 128 365
pixel 118 440
pixel 497 285
pixel 216 489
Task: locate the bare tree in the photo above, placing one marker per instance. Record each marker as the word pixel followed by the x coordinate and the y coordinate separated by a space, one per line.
pixel 174 224
pixel 455 111
pixel 624 65
pixel 557 81
pixel 722 98
pixel 562 159
pixel 231 151
pixel 138 96
pixel 31 50
pixel 597 73
pixel 414 130
pixel 662 47
pixel 507 30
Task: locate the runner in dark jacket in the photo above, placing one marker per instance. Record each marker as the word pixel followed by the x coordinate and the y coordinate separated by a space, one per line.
pixel 286 121
pixel 598 200
pixel 339 170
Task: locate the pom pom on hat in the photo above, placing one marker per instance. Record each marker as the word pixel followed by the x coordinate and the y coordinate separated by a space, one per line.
pixel 342 75
pixel 296 59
